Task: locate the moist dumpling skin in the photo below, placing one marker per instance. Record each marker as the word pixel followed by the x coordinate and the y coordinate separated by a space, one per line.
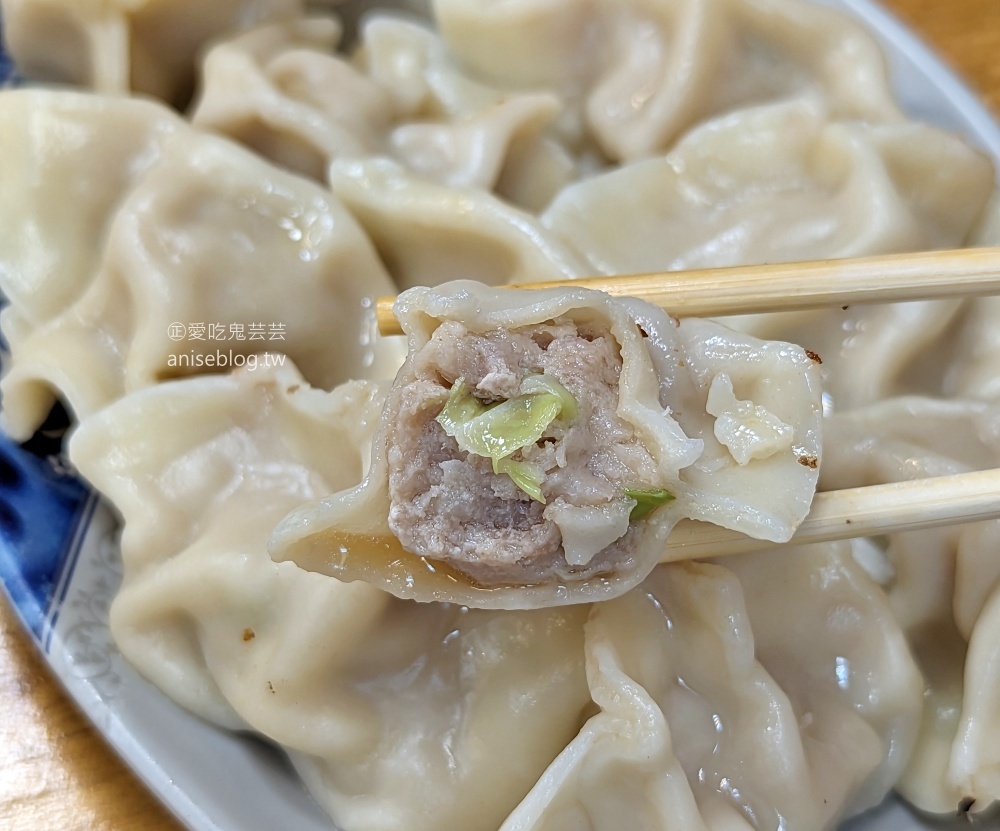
pixel 439 516
pixel 448 504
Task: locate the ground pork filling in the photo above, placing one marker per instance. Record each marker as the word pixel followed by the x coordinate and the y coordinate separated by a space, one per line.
pixel 448 505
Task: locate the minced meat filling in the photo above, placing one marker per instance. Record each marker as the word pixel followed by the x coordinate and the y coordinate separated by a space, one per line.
pixel 449 505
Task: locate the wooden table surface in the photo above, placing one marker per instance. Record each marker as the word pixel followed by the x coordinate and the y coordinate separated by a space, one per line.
pixel 57 774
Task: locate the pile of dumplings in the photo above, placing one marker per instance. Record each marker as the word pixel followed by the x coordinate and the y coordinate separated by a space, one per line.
pixel 226 164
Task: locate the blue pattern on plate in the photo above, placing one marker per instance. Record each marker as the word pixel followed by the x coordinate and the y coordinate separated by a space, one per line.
pixel 43 509
pixel 7 73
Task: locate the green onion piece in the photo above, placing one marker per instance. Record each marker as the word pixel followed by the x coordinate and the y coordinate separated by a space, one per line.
pixel 497 431
pixel 533 384
pixel 461 406
pixel 647 500
pixel 508 426
pixel 527 477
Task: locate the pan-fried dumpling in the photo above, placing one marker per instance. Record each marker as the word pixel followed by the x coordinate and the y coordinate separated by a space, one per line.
pixel 716 714
pixel 117 46
pixel 646 72
pixel 538 446
pixel 398 715
pixel 202 265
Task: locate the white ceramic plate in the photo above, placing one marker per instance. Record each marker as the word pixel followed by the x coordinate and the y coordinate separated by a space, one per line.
pixel 59 565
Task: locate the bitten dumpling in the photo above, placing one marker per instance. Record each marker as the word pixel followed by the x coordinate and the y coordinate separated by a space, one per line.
pixel 538 446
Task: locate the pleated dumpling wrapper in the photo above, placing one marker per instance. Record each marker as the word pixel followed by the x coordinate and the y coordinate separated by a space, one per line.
pixel 538 446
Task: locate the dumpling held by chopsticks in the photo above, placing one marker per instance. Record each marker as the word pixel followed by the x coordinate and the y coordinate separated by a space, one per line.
pixel 537 447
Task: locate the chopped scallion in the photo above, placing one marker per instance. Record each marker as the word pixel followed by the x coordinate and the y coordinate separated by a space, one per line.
pixel 647 500
pixel 497 431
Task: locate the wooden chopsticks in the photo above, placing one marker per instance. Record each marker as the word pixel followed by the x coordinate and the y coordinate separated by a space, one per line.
pixel 858 512
pixel 843 514
pixel 712 292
